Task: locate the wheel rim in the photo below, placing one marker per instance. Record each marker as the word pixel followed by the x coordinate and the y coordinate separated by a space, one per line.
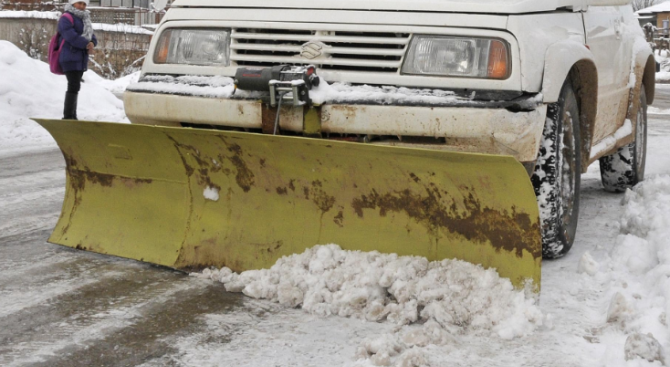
pixel 568 176
pixel 640 140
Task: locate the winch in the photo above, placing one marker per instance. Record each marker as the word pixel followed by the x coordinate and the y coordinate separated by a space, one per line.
pixel 284 82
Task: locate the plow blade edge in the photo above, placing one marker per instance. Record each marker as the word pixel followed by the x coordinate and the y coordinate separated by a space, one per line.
pixel 192 198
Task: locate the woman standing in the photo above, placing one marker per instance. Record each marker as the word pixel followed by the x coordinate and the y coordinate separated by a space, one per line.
pixel 79 42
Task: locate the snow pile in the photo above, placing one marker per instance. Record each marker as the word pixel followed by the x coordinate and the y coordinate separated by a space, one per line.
pixel 430 302
pixel 28 89
pixel 645 347
pixel 641 259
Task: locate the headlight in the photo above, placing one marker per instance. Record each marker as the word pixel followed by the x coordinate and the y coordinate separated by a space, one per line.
pixel 194 47
pixel 458 56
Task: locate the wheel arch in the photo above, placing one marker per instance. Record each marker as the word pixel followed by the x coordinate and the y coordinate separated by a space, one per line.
pixel 643 74
pixel 571 60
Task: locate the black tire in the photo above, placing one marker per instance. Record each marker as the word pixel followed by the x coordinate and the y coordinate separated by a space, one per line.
pixel 557 175
pixel 625 168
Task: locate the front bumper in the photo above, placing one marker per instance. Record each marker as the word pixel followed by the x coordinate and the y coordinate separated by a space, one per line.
pixel 461 128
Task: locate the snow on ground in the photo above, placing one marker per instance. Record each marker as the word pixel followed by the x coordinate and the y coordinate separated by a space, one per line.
pixel 28 89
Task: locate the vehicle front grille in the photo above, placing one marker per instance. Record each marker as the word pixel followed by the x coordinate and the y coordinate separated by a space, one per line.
pixel 329 50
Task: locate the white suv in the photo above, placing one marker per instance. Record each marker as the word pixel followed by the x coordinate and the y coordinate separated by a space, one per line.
pixel 557 84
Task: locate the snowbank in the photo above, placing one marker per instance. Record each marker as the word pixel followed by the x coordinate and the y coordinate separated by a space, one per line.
pixel 432 303
pixel 640 271
pixel 28 89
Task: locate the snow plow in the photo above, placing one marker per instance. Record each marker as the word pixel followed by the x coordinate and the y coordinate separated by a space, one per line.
pixel 443 129
pixel 193 198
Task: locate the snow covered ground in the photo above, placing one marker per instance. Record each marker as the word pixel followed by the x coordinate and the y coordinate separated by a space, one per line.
pixel 605 304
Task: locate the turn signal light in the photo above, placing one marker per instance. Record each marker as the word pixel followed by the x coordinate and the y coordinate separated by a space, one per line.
pixel 162 48
pixel 498 63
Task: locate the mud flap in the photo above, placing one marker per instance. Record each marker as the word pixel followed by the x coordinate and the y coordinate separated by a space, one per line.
pixel 192 198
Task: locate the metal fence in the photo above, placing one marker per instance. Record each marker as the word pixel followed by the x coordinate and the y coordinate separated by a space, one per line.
pixel 35 5
pixel 132 12
pixel 132 16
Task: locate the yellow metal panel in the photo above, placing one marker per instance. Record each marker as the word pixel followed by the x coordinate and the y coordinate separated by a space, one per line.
pixel 190 198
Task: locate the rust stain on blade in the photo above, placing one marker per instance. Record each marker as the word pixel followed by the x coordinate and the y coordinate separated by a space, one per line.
pixel 244 176
pixel 80 175
pixel 512 232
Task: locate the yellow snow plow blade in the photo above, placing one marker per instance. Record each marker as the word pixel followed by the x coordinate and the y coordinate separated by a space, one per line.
pixel 192 198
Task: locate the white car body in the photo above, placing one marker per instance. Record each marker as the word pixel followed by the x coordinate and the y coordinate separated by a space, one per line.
pixel 598 43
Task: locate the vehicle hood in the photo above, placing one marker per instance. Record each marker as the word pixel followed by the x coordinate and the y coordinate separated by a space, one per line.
pixel 451 6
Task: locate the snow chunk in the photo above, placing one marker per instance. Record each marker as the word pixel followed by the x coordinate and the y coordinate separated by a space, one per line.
pixel 618 309
pixel 429 301
pixel 645 347
pixel 587 265
pixel 211 193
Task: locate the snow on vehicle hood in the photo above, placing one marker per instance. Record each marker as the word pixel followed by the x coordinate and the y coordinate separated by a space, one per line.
pixel 456 6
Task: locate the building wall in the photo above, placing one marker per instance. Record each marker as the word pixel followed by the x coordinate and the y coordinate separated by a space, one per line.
pixel 660 17
pixel 30 35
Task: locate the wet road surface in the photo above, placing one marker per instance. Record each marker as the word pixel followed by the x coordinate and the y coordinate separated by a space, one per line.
pixel 63 307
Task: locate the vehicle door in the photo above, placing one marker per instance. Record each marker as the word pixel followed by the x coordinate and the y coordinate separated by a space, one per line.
pixel 610 42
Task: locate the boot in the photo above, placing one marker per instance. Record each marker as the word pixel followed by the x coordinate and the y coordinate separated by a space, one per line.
pixel 70 108
pixel 74 109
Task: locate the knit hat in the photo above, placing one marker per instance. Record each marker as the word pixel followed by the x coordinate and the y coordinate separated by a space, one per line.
pixel 79 1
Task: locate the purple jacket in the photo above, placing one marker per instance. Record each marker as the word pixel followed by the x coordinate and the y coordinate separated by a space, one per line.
pixel 74 56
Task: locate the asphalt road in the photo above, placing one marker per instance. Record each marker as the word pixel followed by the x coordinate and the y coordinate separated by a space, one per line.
pixel 64 307
pixel 662 100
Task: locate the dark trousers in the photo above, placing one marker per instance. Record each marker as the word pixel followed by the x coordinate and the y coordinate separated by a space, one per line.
pixel 74 81
pixel 73 87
